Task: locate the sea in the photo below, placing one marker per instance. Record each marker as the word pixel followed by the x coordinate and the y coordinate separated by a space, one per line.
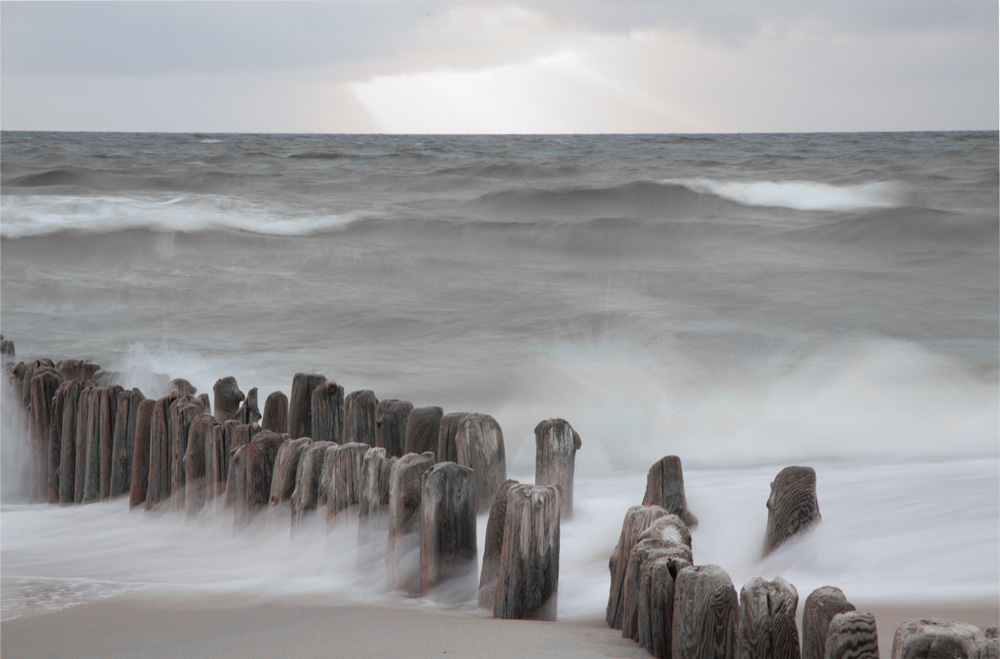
pixel 745 302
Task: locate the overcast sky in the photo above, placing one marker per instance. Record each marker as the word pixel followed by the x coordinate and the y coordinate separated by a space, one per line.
pixel 563 66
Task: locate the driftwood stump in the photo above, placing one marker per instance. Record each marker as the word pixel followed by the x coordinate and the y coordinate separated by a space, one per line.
pixel 820 608
pixel 529 559
pixel 227 398
pixel 237 435
pixel 665 488
pixel 254 478
pixel 637 520
pixel 182 413
pixel 390 426
pixel 447 430
pixel 706 614
pixel 359 420
pixel 767 620
pixel 479 445
pixel 42 390
pixel 556 444
pixel 300 404
pixel 347 468
pixel 276 413
pixel 792 507
pixel 55 442
pixel 646 551
pixel 494 546
pixel 852 635
pixel 124 441
pixel 92 447
pixel 402 554
pixel 328 413
pixel 448 551
pixel 195 483
pixel 935 639
pixel 305 496
pixel 656 602
pixel 67 440
pixel 158 489
pixel 422 428
pixel 139 482
pixel 373 506
pixel 988 648
pixel 286 466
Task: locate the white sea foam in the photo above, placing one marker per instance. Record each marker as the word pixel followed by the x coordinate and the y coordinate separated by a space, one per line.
pixel 800 195
pixel 40 215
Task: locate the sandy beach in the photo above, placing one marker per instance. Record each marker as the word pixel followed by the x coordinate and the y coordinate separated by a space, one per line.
pixel 186 625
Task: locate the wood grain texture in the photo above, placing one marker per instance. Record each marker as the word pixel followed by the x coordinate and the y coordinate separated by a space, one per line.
pixel 237 435
pixel 645 550
pixel 792 507
pixel 305 496
pixel 327 413
pixel 527 587
pixel 665 488
pixel 124 441
pixel 852 635
pixel 986 649
pixel 671 529
pixel 196 494
pixel 182 412
pixel 139 482
pixel 448 548
pixel 493 546
pixel 345 486
pixel 637 520
pixel 656 603
pixel 932 638
pixel 67 441
pixel 373 506
pixel 158 489
pixel 359 420
pixel 261 454
pixel 286 467
pixel 82 430
pixel 275 413
pixel 556 444
pixel 402 554
pixel 820 608
pixel 479 445
pixel 706 614
pixel 249 412
pixel 55 441
pixel 300 404
pixel 767 620
pixel 45 382
pixel 92 446
pixel 422 428
pixel 391 417
pixel 227 397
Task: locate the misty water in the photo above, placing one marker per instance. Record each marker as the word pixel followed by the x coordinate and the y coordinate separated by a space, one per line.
pixel 743 302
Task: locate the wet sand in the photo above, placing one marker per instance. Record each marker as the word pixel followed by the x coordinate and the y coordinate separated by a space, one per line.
pixel 187 625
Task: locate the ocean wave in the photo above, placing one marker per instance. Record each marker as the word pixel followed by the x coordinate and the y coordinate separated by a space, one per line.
pixel 907 225
pixel 799 195
pixel 42 215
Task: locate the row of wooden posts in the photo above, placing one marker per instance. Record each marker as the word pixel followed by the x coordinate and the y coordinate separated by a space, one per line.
pixel 417 479
pixel 661 599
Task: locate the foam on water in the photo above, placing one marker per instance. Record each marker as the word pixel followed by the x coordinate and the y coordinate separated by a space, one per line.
pixel 800 195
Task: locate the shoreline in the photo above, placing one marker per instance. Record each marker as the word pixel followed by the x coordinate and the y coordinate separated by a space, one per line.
pixel 176 622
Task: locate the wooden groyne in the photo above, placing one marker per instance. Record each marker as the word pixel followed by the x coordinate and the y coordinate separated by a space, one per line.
pixel 415 480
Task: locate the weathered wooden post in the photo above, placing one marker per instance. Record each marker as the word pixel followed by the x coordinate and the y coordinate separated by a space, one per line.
pixel 390 426
pixel 182 412
pixel 767 620
pixel 216 461
pixel 55 442
pixel 706 614
pixel 403 551
pixel 286 466
pixel 110 395
pixel 92 458
pixel 359 424
pixel 227 398
pixel 343 490
pixel 237 435
pixel 328 413
pixel 276 413
pixel 556 444
pixel 42 390
pixel 935 639
pixel 307 477
pixel 988 648
pixel 490 573
pixel 792 507
pixel 158 489
pixel 422 428
pixel 820 608
pixel 448 551
pixel 529 560
pixel 665 488
pixel 256 467
pixel 195 463
pixel 249 413
pixel 300 405
pixel 373 506
pixel 67 453
pixel 666 537
pixel 139 481
pixel 637 520
pixel 656 602
pixel 123 442
pixel 852 635
pixel 82 427
pixel 6 350
pixel 479 445
pixel 447 431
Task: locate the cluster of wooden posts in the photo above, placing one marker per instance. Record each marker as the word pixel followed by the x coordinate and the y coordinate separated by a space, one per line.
pixel 416 479
pixel 672 607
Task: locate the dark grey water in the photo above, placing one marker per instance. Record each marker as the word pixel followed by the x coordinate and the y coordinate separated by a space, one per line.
pixel 744 302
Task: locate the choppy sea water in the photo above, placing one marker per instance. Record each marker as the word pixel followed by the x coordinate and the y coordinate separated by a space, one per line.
pixel 744 302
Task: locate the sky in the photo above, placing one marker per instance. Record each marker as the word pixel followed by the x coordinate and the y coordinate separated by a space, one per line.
pixel 558 66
